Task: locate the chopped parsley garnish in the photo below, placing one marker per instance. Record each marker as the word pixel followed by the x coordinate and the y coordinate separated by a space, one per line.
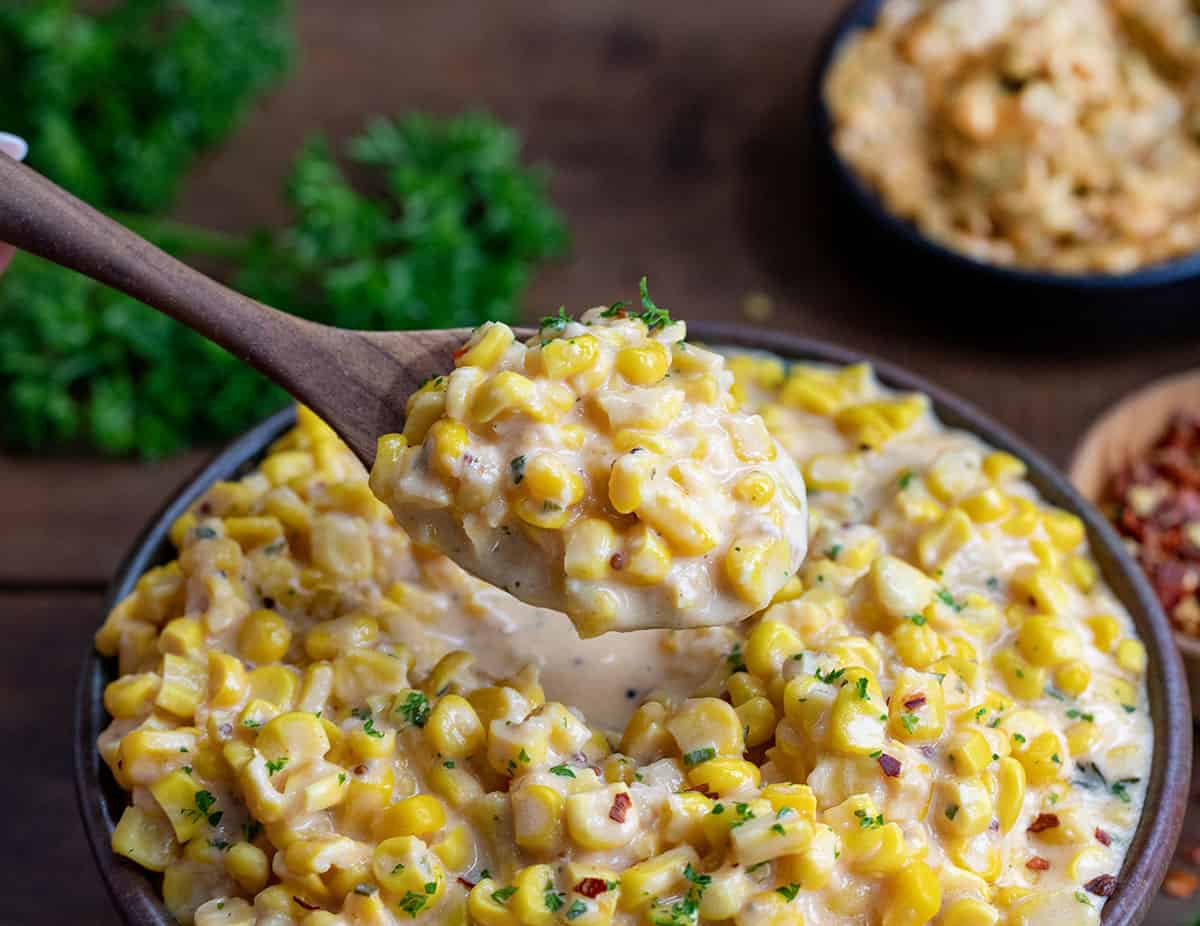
pixel 1076 714
pixel 502 895
pixel 562 771
pixel 204 808
pixel 615 309
pixel 948 600
pixel 204 532
pixel 276 765
pixel 523 755
pixel 735 660
pixel 558 321
pixel 251 723
pixel 830 677
pixel 1129 708
pixel 866 821
pixel 718 809
pixel 1018 737
pixel 415 708
pixel 576 910
pixel 696 756
pixel 251 828
pixel 744 815
pixel 905 478
pixel 449 763
pixel 951 811
pixel 833 551
pixel 1120 791
pixel 1082 898
pixel 412 903
pixel 651 315
pixel 910 721
pixel 778 828
pixel 690 873
pixel 516 466
pixel 861 684
pixel 788 891
pixel 341 778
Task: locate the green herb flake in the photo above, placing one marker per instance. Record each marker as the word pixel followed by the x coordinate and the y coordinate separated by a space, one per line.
pixel 562 771
pixel 788 891
pixel 414 708
pixel 696 756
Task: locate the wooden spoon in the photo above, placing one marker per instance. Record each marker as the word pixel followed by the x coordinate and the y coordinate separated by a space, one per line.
pixel 357 381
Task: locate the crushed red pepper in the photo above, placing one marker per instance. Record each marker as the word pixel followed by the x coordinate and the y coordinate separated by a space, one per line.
pixel 1043 821
pixel 620 806
pixel 591 887
pixel 1102 837
pixel 1101 886
pixel 890 765
pixel 914 701
pixel 1037 863
pixel 1155 503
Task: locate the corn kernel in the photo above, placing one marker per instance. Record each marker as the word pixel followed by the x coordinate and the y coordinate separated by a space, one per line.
pixel 755 488
pixel 659 876
pixel 643 365
pixel 420 815
pixel 756 567
pixel 1073 677
pixel 131 695
pixel 1131 656
pixel 914 896
pixel 1105 631
pixel 486 346
pixel 969 752
pixel 146 838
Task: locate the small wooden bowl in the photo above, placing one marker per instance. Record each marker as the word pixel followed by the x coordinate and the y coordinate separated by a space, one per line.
pixel 1118 437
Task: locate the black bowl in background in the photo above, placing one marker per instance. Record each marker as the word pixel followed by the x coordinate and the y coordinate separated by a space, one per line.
pixel 136 893
pixel 1095 307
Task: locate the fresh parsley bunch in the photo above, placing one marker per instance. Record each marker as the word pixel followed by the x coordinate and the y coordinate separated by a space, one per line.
pixel 451 239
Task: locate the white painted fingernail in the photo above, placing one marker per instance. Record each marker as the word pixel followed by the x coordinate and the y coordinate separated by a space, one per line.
pixel 13 145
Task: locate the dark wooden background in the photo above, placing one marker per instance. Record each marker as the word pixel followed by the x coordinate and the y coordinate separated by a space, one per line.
pixel 676 131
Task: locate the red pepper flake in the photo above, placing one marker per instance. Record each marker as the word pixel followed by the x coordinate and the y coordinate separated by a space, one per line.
pixel 465 883
pixel 617 561
pixel 460 351
pixel 591 887
pixel 890 765
pixel 1181 884
pixel 620 806
pixel 1043 821
pixel 914 701
pixel 1037 863
pixel 1102 837
pixel 1101 886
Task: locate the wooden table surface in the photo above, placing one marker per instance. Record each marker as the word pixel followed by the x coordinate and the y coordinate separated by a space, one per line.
pixel 676 132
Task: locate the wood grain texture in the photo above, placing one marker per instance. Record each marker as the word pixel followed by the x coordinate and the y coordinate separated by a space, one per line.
pixel 49 873
pixel 678 138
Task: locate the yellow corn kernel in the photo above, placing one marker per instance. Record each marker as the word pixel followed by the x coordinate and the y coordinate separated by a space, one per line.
pixel 1046 641
pixel 1106 630
pixel 264 637
pixel 144 754
pixel 183 636
pixel 1044 758
pixel 857 722
pixel 799 798
pixel 1045 590
pixel 454 729
pixel 769 909
pixel 296 735
pixel 248 865
pixel 1066 530
pixel 986 505
pixel 450 674
pixel 564 357
pixel 1081 737
pixel 872 424
pixel 646 737
pixel 447 442
pixel 184 682
pixel 768 836
pixel 647 558
pixel 537 817
pixel 659 876
pixel 590 545
pixel 253 532
pixel 756 567
pixel 181 528
pixel 723 777
pixel 964 807
pixel 833 472
pixel 914 896
pixel 131 695
pixel 758 719
pixel 1023 520
pixel 176 793
pixel 1003 467
pixel 875 850
pixel 457 786
pixel 1073 677
pixel 404 863
pixel 591 823
pixel 680 519
pixel 274 684
pixel 420 815
pixel 900 589
pixel 146 838
pixel 627 479
pixel 917 645
pixel 684 817
pixel 1083 572
pixel 969 752
pixel 227 683
pixel 707 726
pixel 970 911
pixel 742 686
pixel 424 407
pixel 1010 791
pixel 755 488
pixel 917 709
pixel 1025 680
pixel 548 479
pixel 529 903
pixel 327 640
pixel 1131 656
pixel 643 365
pixel 769 646
pixel 501 394
pixel 938 545
pixel 486 346
pixel 488 905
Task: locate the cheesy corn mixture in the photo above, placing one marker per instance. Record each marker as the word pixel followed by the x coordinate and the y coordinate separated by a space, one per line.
pixel 940 718
pixel 1052 134
pixel 600 469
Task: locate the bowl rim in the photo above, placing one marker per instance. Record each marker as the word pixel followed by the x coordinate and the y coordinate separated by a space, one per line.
pixel 858 15
pixel 134 892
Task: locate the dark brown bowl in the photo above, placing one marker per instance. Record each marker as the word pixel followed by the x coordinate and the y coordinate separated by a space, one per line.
pixel 136 893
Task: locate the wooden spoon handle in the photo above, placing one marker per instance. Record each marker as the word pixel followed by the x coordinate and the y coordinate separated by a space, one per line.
pixel 40 217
